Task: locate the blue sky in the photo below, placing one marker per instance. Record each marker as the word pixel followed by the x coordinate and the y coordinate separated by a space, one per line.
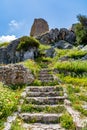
pixel 16 16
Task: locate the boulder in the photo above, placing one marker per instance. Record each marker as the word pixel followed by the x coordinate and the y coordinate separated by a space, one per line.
pixel 55 35
pixel 63 45
pixel 84 48
pixel 63 33
pixel 15 74
pixel 39 27
pixel 50 52
pixel 49 37
pixel 67 35
pixel 84 58
pixel 10 54
pixel 64 58
pixel 71 37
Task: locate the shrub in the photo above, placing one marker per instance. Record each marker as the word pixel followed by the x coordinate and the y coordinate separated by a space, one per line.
pixel 4 44
pixel 81 30
pixel 27 42
pixel 8 101
pixel 67 122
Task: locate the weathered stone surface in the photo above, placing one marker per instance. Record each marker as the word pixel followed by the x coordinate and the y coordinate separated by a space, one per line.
pixel 63 33
pixel 55 35
pixel 10 119
pixel 71 37
pixel 42 94
pixel 79 122
pixel 84 48
pixel 49 37
pixel 39 126
pixel 45 100
pixel 84 58
pixel 15 74
pixel 40 117
pixel 43 89
pixel 50 52
pixel 63 45
pixel 11 55
pixel 64 58
pixel 39 27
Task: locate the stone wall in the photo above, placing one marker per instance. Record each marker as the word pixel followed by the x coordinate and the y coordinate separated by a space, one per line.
pixel 15 74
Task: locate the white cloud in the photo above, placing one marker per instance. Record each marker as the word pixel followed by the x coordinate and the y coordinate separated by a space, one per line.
pixel 14 25
pixel 7 38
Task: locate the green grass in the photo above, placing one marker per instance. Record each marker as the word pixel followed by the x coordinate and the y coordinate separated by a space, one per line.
pixel 8 102
pixel 17 125
pixel 80 81
pixel 43 47
pixel 76 54
pixel 32 65
pixel 72 66
pixel 77 99
pixel 48 109
pixel 4 44
pixel 27 42
pixel 67 122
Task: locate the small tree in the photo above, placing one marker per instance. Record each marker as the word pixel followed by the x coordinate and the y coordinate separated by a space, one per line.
pixel 82 19
pixel 81 30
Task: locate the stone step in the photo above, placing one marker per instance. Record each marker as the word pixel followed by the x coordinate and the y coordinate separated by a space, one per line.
pixel 45 100
pixel 40 126
pixel 43 88
pixel 45 70
pixel 31 108
pixel 45 75
pixel 47 81
pixel 42 94
pixel 46 78
pixel 40 117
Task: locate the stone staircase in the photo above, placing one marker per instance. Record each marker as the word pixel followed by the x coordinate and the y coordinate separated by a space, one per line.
pixel 45 75
pixel 42 107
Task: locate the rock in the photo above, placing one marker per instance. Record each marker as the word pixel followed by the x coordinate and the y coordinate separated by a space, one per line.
pixel 15 74
pixel 39 27
pixel 55 35
pixel 63 45
pixel 10 54
pixel 67 35
pixel 84 107
pixel 84 48
pixel 63 32
pixel 80 47
pixel 64 58
pixel 84 58
pixel 71 37
pixel 49 37
pixel 50 52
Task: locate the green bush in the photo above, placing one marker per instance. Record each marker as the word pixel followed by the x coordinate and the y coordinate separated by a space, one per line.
pixel 27 42
pixel 8 101
pixel 4 44
pixel 67 122
pixel 81 30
